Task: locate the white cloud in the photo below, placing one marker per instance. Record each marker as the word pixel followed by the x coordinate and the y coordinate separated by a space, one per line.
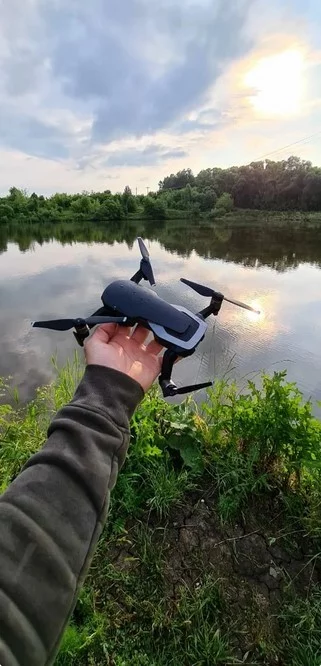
pixel 84 86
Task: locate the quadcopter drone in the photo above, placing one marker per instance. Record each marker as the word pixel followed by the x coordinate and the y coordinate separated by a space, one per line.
pixel 127 303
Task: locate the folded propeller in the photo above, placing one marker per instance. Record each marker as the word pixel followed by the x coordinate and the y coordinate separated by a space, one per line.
pixel 66 324
pixel 207 291
pixel 145 265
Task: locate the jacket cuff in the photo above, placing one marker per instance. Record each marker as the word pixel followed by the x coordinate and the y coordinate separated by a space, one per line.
pixel 110 392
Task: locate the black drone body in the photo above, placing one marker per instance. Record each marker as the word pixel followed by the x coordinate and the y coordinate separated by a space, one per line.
pixel 128 303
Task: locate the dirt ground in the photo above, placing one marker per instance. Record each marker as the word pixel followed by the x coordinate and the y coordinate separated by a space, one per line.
pixel 256 563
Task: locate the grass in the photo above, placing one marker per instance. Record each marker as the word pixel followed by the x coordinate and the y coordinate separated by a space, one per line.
pixel 295 219
pixel 204 491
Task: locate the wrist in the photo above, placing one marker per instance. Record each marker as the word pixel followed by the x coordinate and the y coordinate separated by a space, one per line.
pixel 109 391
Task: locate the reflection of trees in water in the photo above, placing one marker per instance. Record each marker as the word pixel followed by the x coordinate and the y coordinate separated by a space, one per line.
pixel 3 241
pixel 279 248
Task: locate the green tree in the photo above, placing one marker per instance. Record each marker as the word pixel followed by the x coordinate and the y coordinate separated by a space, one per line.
pixel 61 201
pixel 154 208
pixel 178 180
pixel 109 210
pixel 6 213
pixel 128 201
pixel 83 205
pixel 224 204
pixel 17 199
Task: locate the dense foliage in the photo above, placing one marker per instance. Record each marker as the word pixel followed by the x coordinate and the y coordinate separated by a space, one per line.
pixel 241 452
pixel 288 185
pixel 291 184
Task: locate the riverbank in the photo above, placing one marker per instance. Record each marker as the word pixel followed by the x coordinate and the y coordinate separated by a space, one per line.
pixel 212 552
pixel 291 219
pixel 238 217
pixel 251 217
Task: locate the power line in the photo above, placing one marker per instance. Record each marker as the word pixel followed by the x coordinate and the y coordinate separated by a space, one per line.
pixel 289 145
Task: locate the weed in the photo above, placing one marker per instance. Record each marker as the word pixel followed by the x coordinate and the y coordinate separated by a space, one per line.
pixel 300 624
pixel 263 442
pixel 83 637
pixel 264 439
pixel 197 630
pixel 166 487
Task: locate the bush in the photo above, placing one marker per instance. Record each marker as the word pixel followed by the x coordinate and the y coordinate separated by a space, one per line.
pixel 109 210
pixel 6 212
pixel 265 438
pixel 154 208
pixel 224 204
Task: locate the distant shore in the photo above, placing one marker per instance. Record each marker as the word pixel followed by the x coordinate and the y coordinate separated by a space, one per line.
pixel 237 217
pixel 253 217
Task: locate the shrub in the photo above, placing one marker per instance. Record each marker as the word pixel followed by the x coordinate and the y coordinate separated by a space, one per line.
pixel 154 208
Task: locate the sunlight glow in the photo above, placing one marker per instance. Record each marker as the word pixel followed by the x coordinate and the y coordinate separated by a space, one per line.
pixel 277 83
pixel 255 316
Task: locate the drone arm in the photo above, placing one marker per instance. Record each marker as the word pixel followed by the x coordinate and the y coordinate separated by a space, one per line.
pixel 145 272
pixel 138 277
pixel 82 332
pixel 214 306
pixel 101 312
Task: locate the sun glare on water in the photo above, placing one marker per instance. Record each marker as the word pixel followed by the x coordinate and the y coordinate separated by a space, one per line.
pixel 277 83
pixel 258 315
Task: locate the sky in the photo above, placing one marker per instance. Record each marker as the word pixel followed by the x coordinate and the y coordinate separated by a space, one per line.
pixel 103 94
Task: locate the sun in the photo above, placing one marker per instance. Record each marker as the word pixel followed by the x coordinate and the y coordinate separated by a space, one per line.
pixel 277 83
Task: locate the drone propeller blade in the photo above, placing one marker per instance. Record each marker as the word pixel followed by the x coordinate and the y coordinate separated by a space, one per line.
pixel 194 387
pixel 242 305
pixel 207 291
pixel 145 265
pixel 66 324
pixel 199 288
pixel 55 324
pixel 143 248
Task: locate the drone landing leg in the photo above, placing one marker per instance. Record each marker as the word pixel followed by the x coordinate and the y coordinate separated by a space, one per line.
pixel 168 387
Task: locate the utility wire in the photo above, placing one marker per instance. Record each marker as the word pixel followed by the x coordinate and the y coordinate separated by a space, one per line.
pixel 306 139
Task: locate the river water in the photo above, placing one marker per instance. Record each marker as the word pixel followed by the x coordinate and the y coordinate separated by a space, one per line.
pixel 62 271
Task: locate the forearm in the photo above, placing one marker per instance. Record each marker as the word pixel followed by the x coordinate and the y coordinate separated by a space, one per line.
pixel 52 515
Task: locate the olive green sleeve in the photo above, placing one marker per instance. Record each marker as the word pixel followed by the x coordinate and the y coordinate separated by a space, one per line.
pixel 53 513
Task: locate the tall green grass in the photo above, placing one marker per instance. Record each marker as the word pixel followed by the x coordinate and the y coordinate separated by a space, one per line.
pixel 261 443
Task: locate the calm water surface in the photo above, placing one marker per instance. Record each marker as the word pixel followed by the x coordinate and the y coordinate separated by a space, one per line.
pixel 62 272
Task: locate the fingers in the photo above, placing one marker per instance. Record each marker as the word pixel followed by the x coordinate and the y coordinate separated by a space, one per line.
pixel 104 333
pixel 154 347
pixel 123 331
pixel 140 334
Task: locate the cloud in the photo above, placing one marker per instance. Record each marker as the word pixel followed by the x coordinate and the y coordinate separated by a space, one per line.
pixel 132 68
pixel 101 57
pixel 149 156
pixel 130 83
pixel 31 135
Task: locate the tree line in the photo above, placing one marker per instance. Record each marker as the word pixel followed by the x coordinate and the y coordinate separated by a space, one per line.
pixel 96 206
pixel 287 185
pixel 291 184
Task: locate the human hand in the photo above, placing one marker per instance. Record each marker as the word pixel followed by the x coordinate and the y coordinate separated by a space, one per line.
pixel 122 349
